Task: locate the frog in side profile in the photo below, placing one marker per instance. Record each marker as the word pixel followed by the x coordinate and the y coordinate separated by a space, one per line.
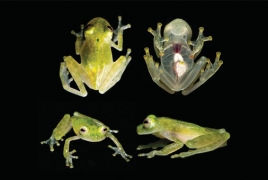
pixel 86 128
pixel 97 69
pixel 198 139
pixel 178 71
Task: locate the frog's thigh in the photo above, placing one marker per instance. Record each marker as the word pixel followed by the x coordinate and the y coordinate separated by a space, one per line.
pixel 115 73
pixel 208 142
pixel 63 127
pixel 189 80
pixel 79 76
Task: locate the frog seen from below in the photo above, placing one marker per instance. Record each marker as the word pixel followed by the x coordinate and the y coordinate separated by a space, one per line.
pixel 178 71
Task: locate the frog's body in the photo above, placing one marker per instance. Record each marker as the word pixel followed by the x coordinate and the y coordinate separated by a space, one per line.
pixel 97 69
pixel 177 71
pixel 86 128
pixel 202 139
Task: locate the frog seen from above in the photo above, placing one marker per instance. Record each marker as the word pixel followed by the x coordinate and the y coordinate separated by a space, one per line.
pixel 198 139
pixel 178 71
pixel 86 128
pixel 97 69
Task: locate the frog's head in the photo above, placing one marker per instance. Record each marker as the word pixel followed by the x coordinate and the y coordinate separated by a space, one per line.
pixel 99 27
pixel 178 28
pixel 148 126
pixel 89 131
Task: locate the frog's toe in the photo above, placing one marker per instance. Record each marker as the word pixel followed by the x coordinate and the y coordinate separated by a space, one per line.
pixel 126 27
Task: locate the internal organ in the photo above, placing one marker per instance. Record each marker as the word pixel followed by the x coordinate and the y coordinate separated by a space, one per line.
pixel 179 67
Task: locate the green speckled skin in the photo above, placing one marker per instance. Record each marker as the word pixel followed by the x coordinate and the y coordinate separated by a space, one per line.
pixel 97 69
pixel 202 139
pixel 86 128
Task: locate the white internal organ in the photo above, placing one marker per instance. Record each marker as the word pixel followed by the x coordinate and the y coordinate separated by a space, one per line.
pixel 179 65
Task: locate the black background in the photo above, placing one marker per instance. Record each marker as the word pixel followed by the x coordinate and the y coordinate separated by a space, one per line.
pixel 224 101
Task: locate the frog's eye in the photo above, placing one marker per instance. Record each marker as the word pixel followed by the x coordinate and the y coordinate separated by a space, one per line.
pixel 109 27
pixel 83 130
pixel 104 130
pixel 146 122
pixel 88 26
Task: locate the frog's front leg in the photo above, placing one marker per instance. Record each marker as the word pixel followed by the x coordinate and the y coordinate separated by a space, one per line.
pixel 79 39
pixel 67 154
pixel 63 127
pixel 165 151
pixel 115 73
pixel 158 40
pixel 204 74
pixel 78 75
pixel 119 149
pixel 198 44
pixel 155 70
pixel 118 34
pixel 204 143
pixel 154 145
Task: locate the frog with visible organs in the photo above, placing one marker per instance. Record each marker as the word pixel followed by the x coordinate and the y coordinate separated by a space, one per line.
pixel 86 128
pixel 198 139
pixel 97 69
pixel 178 71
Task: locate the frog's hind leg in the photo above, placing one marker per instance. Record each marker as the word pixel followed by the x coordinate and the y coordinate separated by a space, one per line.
pixel 204 143
pixel 205 74
pixel 78 75
pixel 115 73
pixel 155 71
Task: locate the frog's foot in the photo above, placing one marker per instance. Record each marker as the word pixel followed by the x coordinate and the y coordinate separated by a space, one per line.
pixel 65 73
pixel 184 154
pixel 51 141
pixel 121 152
pixel 120 28
pixel 70 66
pixel 198 44
pixel 158 40
pixel 69 158
pixel 155 71
pixel 149 155
pixel 152 65
pixel 80 33
pixel 206 73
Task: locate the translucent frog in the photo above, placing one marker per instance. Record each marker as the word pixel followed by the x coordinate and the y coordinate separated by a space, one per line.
pixel 198 139
pixel 86 128
pixel 97 69
pixel 178 71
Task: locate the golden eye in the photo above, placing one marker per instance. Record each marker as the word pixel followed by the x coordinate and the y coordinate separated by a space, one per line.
pixel 88 26
pixel 104 130
pixel 83 130
pixel 109 27
pixel 146 123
